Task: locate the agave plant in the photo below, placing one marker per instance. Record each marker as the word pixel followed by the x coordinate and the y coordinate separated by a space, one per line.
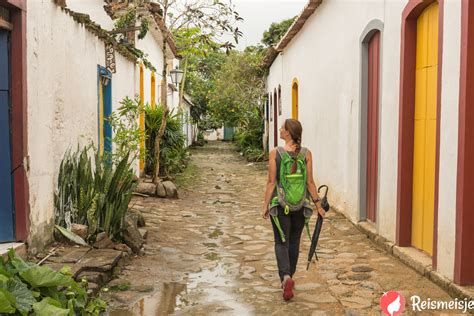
pixel 96 195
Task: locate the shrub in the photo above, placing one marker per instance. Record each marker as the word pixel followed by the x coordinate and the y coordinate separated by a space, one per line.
pixel 126 130
pixel 173 152
pixel 94 195
pixel 27 288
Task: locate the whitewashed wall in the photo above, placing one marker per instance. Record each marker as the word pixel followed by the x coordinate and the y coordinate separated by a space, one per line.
pixel 215 134
pixel 95 9
pixel 325 58
pixel 62 101
pixel 449 137
pixel 274 79
pixel 152 48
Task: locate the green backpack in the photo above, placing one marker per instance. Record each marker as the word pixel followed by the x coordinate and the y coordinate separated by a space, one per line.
pixel 292 188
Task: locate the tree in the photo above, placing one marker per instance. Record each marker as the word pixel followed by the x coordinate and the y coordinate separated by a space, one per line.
pixel 276 31
pixel 213 18
pixel 239 88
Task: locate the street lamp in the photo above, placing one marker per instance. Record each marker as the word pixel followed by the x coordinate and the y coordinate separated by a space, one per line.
pixel 176 76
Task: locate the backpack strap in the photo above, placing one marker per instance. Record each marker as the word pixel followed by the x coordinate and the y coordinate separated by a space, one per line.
pixel 280 151
pixel 303 152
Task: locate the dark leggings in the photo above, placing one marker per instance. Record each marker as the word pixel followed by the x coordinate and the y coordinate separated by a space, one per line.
pixel 287 252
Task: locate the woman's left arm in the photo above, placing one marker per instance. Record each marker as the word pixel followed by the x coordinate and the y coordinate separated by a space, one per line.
pixel 313 191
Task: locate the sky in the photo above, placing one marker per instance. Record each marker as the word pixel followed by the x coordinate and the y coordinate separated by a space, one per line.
pixel 259 14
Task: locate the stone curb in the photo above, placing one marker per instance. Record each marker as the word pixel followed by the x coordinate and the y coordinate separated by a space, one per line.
pixel 423 268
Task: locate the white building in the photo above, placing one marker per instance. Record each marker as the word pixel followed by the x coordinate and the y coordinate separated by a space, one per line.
pixel 67 74
pixel 383 106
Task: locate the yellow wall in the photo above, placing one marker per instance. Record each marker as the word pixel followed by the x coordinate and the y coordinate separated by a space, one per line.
pixel 425 129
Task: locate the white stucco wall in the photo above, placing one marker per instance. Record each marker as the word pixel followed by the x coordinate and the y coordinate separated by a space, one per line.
pixel 62 101
pixel 216 134
pixel 325 57
pixel 95 9
pixel 152 48
pixel 449 138
pixel 273 81
pixel 388 120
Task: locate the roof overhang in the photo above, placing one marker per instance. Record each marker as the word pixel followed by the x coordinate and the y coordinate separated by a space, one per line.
pixel 294 29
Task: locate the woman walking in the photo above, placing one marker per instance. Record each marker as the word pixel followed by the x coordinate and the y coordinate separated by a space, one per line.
pixel 288 225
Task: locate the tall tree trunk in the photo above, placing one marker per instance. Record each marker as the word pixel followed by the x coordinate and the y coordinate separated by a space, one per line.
pixel 161 131
pixel 181 90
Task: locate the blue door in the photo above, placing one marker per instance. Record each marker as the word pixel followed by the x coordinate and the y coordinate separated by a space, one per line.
pixel 228 133
pixel 105 110
pixel 6 196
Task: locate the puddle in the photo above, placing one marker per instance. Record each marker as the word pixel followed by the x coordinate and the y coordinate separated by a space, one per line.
pixel 218 285
pixel 208 287
pixel 162 302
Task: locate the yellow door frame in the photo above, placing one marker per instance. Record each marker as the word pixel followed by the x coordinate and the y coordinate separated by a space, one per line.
pixel 294 98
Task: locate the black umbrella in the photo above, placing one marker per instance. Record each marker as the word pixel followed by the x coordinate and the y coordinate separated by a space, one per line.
pixel 317 228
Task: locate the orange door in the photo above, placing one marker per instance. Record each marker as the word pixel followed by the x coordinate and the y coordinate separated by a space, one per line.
pixel 425 129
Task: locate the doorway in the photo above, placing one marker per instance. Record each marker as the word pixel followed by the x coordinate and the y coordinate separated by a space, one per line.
pixel 105 110
pixel 275 120
pixel 425 124
pixel 373 75
pixel 294 99
pixel 6 181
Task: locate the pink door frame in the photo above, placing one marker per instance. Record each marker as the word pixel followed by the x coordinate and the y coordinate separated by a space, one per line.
pixel 464 245
pixel 19 116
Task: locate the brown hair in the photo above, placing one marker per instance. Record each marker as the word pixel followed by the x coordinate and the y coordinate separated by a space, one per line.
pixel 295 129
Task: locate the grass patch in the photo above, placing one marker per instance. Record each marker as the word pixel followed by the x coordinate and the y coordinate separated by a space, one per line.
pixel 121 287
pixel 188 177
pixel 215 234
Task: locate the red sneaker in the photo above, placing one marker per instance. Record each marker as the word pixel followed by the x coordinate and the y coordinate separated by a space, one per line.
pixel 288 289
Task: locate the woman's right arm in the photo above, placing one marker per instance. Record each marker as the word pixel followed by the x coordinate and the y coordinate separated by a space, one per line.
pixel 271 182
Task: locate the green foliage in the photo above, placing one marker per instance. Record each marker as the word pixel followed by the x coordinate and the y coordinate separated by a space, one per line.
pixel 126 130
pixel 193 41
pixel 29 289
pixel 144 28
pixel 173 153
pixel 239 88
pixel 276 31
pixel 249 139
pixel 94 195
pixel 71 236
pixel 126 20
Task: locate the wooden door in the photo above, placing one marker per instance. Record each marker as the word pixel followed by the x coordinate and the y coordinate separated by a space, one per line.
pixel 425 129
pixel 105 110
pixel 6 182
pixel 275 120
pixel 372 124
pixel 294 100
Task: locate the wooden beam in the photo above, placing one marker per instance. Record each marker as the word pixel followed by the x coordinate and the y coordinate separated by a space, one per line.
pixel 5 25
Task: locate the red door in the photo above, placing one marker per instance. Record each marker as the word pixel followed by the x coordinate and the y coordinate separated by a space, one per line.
pixel 275 120
pixel 372 124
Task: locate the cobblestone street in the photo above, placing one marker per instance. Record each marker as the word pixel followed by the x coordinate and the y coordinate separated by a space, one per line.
pixel 209 252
